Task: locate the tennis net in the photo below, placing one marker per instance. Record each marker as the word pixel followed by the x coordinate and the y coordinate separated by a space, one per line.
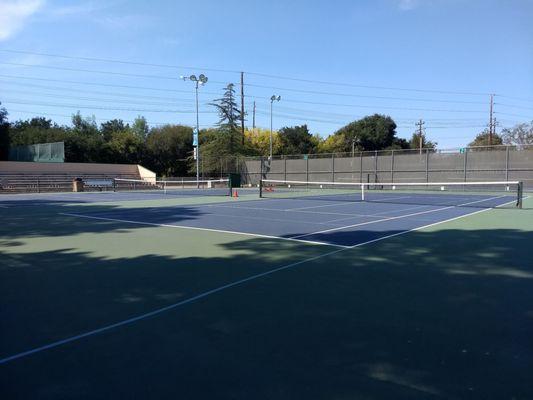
pixel 460 194
pixel 210 187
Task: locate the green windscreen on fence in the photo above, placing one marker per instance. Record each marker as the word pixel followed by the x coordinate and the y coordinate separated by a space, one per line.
pixel 40 152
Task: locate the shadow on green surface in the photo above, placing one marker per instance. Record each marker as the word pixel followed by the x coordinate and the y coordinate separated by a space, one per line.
pixel 431 314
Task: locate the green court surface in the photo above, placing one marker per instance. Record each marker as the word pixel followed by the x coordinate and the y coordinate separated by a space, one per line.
pixel 445 312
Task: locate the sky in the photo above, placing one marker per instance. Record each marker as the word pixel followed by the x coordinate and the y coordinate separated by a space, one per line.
pixel 331 62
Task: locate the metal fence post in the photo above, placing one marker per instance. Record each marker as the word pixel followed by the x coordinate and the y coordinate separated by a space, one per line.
pixel 392 166
pixel 427 165
pixel 361 167
pixel 375 166
pixel 285 167
pixel 507 163
pixel 307 169
pixel 465 163
pixel 333 167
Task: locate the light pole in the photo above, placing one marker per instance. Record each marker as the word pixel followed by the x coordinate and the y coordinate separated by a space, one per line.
pixel 272 99
pixel 201 80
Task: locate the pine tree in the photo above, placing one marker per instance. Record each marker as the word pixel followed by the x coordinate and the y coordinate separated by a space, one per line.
pixel 230 117
pixel 224 143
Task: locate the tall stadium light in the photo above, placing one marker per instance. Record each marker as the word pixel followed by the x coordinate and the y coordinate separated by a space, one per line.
pixel 201 80
pixel 272 100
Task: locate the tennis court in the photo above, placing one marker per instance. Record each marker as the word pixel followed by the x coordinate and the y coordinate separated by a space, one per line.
pixel 317 292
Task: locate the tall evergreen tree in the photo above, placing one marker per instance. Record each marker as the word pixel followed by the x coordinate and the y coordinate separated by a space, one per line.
pixel 229 117
pixel 225 142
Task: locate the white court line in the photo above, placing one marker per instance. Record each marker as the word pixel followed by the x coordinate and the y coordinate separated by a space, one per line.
pixel 290 210
pixel 216 290
pixel 292 221
pixel 201 229
pixel 392 218
pixel 334 204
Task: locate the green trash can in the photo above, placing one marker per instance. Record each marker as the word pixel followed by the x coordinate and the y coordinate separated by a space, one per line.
pixel 234 181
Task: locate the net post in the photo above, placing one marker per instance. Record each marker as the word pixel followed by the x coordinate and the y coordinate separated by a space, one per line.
pixel 362 191
pixel 520 194
pixel 261 187
pixel 114 184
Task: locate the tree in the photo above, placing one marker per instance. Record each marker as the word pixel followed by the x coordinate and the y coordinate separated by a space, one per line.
pixel 107 129
pixel 140 127
pixel 4 134
pixel 124 147
pixel 168 149
pixel 375 132
pixel 225 141
pixel 36 130
pixel 83 125
pixel 297 140
pixel 414 143
pixel 332 144
pixel 84 143
pixel 482 139
pixel 257 142
pixel 519 135
pixel 229 117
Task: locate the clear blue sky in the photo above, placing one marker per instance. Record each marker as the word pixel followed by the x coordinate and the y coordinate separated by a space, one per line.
pixel 448 55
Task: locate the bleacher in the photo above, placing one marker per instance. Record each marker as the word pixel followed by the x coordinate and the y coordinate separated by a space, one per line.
pixel 38 178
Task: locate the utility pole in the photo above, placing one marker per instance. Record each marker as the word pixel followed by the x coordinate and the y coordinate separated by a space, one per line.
pixel 242 107
pixel 253 118
pixel 491 119
pixel 420 123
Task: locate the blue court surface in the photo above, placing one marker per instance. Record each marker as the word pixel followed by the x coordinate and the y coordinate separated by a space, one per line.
pixel 327 220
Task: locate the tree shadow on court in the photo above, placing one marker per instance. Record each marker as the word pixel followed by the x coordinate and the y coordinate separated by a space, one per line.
pixel 432 314
pixel 50 219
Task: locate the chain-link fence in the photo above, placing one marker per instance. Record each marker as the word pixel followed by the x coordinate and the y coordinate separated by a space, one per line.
pixel 490 163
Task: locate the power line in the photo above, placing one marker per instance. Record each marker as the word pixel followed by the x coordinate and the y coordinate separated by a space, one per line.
pixel 514 106
pixel 528 100
pixel 117 61
pixel 294 101
pixel 100 119
pixel 280 77
pixel 19 101
pixel 528 117
pixel 62 96
pixel 316 91
pixel 102 84
pixel 66 89
pixel 98 72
